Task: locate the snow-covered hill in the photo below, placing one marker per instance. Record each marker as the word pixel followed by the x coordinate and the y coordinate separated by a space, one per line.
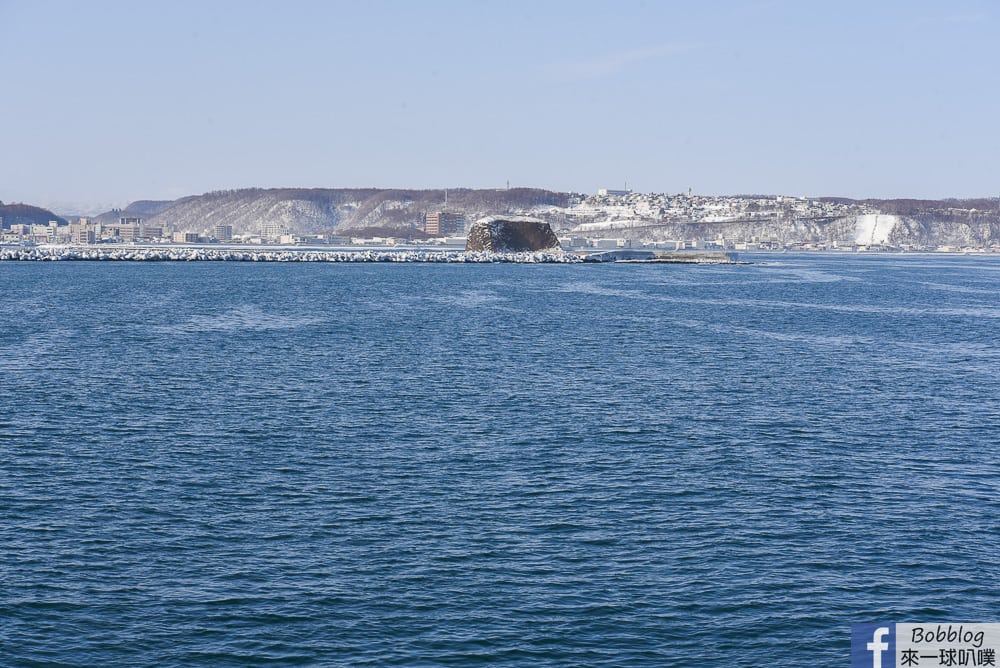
pixel 636 216
pixel 305 211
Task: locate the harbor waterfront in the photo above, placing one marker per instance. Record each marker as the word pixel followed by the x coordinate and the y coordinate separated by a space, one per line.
pixel 211 253
pixel 415 464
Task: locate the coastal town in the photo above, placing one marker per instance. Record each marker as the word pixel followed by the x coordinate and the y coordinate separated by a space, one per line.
pixel 607 220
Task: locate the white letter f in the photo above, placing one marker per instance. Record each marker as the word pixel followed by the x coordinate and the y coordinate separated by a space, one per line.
pixel 877 646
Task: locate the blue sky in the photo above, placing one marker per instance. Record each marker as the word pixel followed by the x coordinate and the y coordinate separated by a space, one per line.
pixel 107 102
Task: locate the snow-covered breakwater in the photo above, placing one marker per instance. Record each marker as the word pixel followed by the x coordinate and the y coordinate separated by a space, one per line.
pixel 143 254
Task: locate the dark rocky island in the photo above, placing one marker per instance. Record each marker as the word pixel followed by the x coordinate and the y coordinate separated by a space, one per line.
pixel 511 234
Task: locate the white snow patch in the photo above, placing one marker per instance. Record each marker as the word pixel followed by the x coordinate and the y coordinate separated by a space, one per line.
pixel 873 228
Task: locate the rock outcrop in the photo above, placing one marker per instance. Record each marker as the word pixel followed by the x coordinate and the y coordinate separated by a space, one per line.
pixel 511 234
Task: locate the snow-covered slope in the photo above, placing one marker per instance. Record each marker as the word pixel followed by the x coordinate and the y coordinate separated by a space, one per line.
pixel 637 216
pixel 873 228
pixel 303 211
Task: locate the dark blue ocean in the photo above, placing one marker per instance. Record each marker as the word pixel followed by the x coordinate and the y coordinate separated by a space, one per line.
pixel 229 464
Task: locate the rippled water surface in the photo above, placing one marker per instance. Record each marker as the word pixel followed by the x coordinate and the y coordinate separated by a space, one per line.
pixel 605 465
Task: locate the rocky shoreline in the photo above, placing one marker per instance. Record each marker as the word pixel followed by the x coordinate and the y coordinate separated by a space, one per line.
pixel 147 254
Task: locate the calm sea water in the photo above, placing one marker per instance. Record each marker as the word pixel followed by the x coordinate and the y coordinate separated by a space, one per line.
pixel 228 464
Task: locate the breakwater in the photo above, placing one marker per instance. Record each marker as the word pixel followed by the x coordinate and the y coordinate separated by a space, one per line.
pixel 173 254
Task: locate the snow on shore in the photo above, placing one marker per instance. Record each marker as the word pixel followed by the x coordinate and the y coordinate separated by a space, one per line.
pixel 145 254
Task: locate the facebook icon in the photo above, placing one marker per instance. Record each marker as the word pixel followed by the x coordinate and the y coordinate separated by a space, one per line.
pixel 873 646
